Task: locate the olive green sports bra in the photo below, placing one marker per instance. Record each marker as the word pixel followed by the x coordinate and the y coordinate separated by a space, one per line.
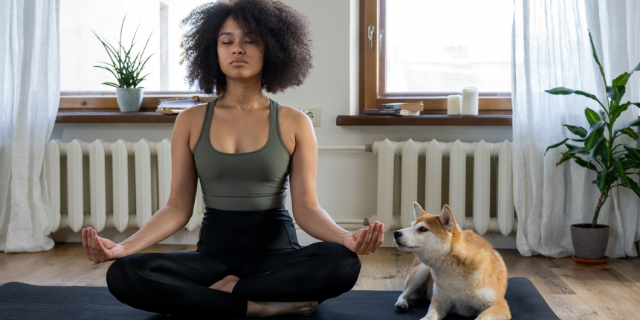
pixel 254 180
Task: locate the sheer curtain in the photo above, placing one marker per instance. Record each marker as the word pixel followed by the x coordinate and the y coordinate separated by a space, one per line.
pixel 29 100
pixel 615 28
pixel 551 49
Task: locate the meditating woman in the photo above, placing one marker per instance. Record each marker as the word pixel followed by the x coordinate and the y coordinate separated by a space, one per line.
pixel 244 147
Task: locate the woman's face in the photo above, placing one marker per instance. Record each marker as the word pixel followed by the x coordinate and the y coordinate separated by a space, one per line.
pixel 234 44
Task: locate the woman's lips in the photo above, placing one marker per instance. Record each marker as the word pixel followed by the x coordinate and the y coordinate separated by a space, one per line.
pixel 238 63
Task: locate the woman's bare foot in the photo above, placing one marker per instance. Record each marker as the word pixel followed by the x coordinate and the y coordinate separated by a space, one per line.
pixel 274 308
pixel 226 284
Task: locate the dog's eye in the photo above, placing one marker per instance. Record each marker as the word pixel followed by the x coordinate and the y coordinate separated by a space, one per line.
pixel 423 229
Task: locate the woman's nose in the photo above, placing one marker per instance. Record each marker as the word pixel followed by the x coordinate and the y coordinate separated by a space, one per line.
pixel 238 49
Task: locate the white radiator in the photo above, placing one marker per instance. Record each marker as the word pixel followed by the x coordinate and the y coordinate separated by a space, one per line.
pixel 434 151
pixel 151 174
pixel 146 166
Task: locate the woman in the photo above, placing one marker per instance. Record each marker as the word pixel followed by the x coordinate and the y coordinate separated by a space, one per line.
pixel 248 261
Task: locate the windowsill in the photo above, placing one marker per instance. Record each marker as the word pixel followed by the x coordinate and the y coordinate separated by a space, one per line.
pixel 113 115
pixel 432 118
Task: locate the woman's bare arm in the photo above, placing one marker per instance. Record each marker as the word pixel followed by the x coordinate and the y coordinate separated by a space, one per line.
pixel 306 209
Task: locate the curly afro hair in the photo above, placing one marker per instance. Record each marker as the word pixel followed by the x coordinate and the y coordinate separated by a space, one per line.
pixel 282 32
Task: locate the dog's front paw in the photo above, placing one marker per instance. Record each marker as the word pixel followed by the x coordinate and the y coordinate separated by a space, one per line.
pixel 431 316
pixel 402 305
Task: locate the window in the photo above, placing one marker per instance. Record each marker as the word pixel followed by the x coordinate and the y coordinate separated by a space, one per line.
pixel 81 50
pixel 424 50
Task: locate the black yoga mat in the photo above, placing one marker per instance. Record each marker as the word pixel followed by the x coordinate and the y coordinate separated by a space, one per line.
pixel 25 301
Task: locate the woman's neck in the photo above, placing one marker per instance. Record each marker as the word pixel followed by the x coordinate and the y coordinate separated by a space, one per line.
pixel 243 95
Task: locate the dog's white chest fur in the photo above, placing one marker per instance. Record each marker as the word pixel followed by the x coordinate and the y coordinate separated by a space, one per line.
pixel 461 291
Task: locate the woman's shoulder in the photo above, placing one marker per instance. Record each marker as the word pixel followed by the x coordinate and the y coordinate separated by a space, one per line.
pixel 189 123
pixel 192 114
pixel 291 114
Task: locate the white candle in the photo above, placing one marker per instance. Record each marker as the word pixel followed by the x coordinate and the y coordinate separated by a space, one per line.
pixel 470 101
pixel 454 104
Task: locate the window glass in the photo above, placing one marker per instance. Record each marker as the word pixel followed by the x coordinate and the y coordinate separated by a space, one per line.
pixel 81 50
pixel 444 46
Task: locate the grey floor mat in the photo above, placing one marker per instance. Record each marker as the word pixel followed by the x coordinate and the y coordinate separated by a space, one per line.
pixel 25 301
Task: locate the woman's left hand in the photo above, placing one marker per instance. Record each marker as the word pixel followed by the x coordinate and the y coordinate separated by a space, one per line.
pixel 365 240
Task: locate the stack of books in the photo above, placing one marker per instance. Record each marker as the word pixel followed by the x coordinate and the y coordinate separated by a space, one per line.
pixel 399 108
pixel 176 105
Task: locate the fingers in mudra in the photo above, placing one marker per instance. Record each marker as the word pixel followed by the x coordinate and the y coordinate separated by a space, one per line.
pixel 93 248
pixel 371 237
pixel 87 243
pixel 377 238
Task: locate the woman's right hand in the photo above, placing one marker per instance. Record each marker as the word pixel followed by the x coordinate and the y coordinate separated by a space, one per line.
pixel 100 249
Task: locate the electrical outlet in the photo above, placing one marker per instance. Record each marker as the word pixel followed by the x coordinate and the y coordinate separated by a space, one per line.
pixel 313 114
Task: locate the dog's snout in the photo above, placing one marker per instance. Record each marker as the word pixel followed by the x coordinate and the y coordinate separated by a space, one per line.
pixel 397 234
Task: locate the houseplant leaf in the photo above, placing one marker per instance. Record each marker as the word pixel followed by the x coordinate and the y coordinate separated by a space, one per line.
pixel 594 135
pixel 575 149
pixel 601 179
pixel 579 131
pixel 635 69
pixel 591 115
pixel 621 80
pixel 598 149
pixel 632 153
pixel 617 109
pixel 633 123
pixel 565 157
pixel 585 164
pixel 595 56
pixel 556 145
pixel 621 172
pixel 629 132
pixel 615 93
pixel 566 91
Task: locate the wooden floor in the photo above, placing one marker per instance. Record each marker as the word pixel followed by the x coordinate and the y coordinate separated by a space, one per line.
pixel 574 291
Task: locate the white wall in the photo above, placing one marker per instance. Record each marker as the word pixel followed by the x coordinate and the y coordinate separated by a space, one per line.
pixel 346 183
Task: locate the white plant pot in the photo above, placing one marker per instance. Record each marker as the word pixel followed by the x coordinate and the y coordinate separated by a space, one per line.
pixel 129 99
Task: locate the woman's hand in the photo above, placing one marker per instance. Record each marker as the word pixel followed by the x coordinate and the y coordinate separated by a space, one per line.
pixel 100 249
pixel 365 240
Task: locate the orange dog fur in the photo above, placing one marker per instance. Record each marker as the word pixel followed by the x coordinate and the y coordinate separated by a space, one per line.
pixel 459 271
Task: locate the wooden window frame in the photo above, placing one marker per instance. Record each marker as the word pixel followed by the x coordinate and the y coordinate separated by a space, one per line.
pixel 372 73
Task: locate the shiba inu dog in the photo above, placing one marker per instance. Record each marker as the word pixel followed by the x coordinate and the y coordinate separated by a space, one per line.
pixel 459 271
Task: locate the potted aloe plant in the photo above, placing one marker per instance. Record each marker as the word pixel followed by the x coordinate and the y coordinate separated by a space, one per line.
pixel 612 162
pixel 127 72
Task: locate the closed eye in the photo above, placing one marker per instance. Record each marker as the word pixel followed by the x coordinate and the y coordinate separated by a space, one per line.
pixel 232 42
pixel 423 229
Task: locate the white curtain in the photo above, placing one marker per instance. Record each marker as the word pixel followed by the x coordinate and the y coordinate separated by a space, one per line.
pixel 29 100
pixel 615 27
pixel 551 49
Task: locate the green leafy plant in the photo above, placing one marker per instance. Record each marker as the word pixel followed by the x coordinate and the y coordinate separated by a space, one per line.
pixel 126 71
pixel 612 166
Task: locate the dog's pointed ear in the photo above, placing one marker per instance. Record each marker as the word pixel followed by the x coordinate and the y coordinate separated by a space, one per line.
pixel 417 210
pixel 447 219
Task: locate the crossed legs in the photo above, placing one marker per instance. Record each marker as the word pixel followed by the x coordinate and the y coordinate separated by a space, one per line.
pixel 179 282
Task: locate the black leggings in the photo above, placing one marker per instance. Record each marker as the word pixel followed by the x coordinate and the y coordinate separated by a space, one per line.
pixel 259 247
